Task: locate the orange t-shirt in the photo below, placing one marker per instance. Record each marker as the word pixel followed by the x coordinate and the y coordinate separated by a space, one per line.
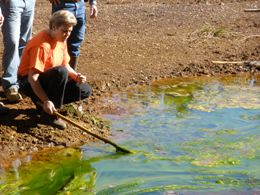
pixel 42 53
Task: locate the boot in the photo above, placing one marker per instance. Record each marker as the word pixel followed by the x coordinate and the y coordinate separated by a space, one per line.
pixel 74 62
pixel 52 121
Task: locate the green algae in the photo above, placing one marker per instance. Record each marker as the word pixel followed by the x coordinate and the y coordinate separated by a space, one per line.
pixel 40 177
pixel 254 117
pixel 138 187
pixel 222 151
pixel 229 180
pixel 226 132
pixel 120 188
pixel 81 184
pixel 185 138
pixel 166 188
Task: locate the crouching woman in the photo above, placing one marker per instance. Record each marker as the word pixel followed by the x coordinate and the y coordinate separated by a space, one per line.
pixel 44 72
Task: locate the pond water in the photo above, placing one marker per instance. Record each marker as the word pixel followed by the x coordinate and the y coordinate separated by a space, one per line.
pixel 190 136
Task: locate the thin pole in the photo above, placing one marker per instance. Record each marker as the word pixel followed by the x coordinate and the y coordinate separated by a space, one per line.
pixel 252 10
pixel 228 62
pixel 118 148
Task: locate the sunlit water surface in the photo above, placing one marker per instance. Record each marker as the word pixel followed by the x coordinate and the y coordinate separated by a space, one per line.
pixel 189 136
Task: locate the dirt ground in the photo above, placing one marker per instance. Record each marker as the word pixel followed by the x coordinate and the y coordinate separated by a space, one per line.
pixel 133 43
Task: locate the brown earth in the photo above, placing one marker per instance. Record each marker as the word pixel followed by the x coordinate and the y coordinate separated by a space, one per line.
pixel 136 42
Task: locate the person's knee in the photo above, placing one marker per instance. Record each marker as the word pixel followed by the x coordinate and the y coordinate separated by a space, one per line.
pixel 86 91
pixel 61 72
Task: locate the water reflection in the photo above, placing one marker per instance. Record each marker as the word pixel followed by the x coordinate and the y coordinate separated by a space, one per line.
pixel 68 171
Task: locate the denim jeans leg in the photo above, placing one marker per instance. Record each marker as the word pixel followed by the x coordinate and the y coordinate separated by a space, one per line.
pixel 26 24
pixel 14 12
pixel 11 35
pixel 78 33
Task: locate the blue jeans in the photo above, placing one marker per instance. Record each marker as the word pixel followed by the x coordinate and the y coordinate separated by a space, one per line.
pixel 17 30
pixel 78 32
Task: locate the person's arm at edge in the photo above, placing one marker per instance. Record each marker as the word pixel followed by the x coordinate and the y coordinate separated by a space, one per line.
pixel 93 8
pixel 1 18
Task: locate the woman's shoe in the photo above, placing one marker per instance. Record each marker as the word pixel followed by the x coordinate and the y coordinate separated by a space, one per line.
pixel 53 121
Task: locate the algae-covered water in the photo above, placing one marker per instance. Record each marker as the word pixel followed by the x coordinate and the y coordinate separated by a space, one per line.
pixel 190 136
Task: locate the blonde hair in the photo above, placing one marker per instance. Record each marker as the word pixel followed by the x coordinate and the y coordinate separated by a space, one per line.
pixel 62 17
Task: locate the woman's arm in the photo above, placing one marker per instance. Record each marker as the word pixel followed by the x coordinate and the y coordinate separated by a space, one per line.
pixel 33 78
pixel 78 77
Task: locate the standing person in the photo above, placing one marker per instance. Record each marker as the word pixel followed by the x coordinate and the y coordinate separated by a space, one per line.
pixel 3 109
pixel 77 7
pixel 17 29
pixel 44 72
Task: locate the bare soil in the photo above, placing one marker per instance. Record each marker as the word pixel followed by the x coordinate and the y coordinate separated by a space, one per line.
pixel 133 43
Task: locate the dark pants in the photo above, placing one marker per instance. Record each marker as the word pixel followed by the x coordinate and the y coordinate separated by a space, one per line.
pixel 57 86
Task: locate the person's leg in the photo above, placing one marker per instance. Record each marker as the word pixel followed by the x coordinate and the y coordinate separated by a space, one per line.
pixel 11 34
pixel 26 24
pixel 77 35
pixel 26 90
pixel 58 88
pixel 75 92
pixel 53 83
pixel 74 62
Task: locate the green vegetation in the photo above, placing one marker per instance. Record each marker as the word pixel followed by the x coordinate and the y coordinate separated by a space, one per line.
pixel 212 31
pixel 181 147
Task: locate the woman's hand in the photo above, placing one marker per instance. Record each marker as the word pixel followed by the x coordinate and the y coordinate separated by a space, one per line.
pixel 93 11
pixel 49 107
pixel 78 77
pixel 81 78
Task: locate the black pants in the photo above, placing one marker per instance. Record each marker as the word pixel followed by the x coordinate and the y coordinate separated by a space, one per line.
pixel 57 86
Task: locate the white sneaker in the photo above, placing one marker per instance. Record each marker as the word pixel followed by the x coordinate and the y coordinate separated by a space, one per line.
pixel 13 95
